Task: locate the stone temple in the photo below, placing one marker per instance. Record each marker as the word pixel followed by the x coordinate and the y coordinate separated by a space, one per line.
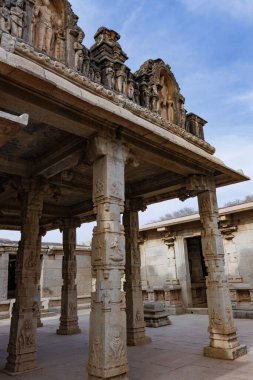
pixel 82 138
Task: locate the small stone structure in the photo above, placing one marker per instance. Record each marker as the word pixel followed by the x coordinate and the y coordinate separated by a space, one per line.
pixel 156 314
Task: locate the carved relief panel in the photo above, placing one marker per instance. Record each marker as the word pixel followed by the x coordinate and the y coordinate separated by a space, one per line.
pixel 48 22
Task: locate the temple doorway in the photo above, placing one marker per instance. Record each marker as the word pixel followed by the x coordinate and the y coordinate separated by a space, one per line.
pixel 11 276
pixel 198 271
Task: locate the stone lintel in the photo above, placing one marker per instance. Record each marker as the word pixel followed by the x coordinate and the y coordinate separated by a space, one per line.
pixel 10 125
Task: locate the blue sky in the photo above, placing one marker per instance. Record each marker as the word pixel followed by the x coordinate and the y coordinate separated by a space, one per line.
pixel 208 44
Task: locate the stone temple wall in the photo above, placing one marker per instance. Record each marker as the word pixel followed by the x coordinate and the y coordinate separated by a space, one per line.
pixel 51 277
pixel 169 262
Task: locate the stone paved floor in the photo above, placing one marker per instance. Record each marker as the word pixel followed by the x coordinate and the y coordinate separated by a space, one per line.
pixel 175 353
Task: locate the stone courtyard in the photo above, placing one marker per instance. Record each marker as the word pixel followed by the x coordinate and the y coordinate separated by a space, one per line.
pixel 175 352
pixel 82 138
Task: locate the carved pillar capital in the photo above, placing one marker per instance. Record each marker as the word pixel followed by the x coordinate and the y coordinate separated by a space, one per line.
pixel 105 145
pixel 227 227
pixel 169 239
pixel 135 204
pixel 68 223
pixel 194 185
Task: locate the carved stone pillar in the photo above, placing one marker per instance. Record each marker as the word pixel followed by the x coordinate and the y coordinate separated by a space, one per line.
pixel 38 296
pixel 172 287
pixel 228 228
pixel 22 342
pixel 222 330
pixel 107 347
pixel 134 304
pixel 169 240
pixel 69 318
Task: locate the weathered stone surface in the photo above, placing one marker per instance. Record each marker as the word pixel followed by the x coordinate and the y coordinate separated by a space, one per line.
pixel 22 344
pixel 87 111
pixel 10 125
pixel 134 304
pixel 69 318
pixel 155 314
pixel 222 330
pixel 107 345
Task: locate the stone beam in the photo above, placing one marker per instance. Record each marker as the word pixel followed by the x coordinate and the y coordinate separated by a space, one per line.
pixel 13 166
pixel 43 109
pixel 157 155
pixel 65 157
pixel 76 181
pixel 153 184
pixel 10 125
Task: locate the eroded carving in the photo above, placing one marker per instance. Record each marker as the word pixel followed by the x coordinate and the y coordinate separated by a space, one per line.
pixel 26 337
pixel 17 18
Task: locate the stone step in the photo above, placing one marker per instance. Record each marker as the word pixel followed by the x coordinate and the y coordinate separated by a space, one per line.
pixel 47 313
pixel 196 310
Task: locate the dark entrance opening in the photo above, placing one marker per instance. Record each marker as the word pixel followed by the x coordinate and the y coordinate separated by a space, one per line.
pixel 11 276
pixel 198 271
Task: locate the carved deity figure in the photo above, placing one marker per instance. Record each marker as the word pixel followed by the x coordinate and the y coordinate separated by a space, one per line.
pixel 166 101
pixel 120 80
pixel 170 111
pixel 43 26
pixel 130 89
pixel 137 93
pixel 4 18
pixel 60 39
pixel 145 95
pixel 154 98
pixel 17 19
pixel 108 76
pixel 97 77
pixel 79 51
pixel 26 337
pixel 91 73
pixel 182 115
pixel 86 65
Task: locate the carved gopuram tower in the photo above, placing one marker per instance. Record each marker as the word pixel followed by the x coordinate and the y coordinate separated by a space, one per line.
pixel 95 141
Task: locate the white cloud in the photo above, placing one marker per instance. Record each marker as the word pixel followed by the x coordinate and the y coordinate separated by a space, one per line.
pixel 238 9
pixel 245 99
pixel 131 18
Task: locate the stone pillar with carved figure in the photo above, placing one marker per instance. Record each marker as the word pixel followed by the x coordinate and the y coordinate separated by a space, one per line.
pixel 134 303
pixel 22 342
pixel 222 331
pixel 107 344
pixel 69 319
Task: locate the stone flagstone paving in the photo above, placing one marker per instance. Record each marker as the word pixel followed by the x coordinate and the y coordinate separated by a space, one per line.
pixel 175 352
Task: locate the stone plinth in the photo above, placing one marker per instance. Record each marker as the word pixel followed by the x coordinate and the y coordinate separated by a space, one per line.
pixel 172 296
pixel 219 353
pixel 156 315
